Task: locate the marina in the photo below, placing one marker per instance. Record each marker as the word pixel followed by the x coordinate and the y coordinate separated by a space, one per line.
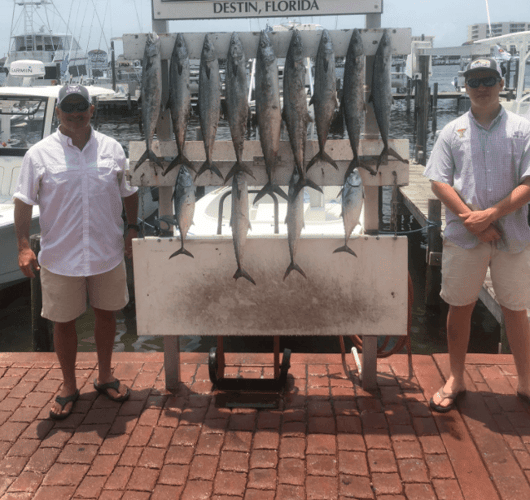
pixel 280 385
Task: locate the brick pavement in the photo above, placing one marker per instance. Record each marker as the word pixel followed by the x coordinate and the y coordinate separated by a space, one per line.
pixel 328 440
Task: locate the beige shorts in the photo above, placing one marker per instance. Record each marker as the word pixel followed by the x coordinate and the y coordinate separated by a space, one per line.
pixel 64 298
pixel 464 272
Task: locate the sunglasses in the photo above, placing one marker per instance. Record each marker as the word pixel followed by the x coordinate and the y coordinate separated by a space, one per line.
pixel 488 81
pixel 74 107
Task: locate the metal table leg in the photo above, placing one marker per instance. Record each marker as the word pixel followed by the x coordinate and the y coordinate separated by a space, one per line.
pixel 172 361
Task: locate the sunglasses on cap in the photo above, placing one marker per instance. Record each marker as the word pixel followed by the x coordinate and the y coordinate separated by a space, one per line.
pixel 488 81
pixel 74 107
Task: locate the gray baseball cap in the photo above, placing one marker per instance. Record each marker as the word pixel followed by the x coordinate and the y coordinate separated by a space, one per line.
pixel 483 63
pixel 71 90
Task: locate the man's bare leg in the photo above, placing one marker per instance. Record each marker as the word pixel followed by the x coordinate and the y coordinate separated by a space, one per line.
pixel 518 333
pixel 104 333
pixel 65 343
pixel 458 332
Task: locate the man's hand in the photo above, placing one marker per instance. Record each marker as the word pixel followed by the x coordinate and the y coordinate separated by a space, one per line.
pixel 27 261
pixel 490 234
pixel 477 221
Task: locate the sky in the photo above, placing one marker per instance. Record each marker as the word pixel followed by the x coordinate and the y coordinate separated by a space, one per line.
pixel 95 22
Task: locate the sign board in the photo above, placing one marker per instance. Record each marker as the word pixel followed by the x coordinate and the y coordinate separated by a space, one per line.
pixel 207 9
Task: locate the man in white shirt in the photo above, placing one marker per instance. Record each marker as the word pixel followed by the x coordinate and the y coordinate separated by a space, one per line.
pixel 77 178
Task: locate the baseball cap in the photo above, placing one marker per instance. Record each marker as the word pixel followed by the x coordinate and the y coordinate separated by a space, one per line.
pixel 482 64
pixel 70 90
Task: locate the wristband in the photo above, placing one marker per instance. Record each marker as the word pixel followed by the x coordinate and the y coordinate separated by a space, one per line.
pixel 134 226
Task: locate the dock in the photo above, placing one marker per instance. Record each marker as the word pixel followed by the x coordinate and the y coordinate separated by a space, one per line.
pixel 327 440
pixel 415 197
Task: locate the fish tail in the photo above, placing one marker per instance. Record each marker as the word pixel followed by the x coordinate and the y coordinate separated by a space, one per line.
pixel 270 189
pixel 345 248
pixel 241 273
pixel 361 164
pixel 393 153
pixel 294 267
pixel 238 167
pixel 323 157
pixel 207 165
pixel 141 160
pixel 152 157
pixel 180 159
pixel 180 251
pixel 303 183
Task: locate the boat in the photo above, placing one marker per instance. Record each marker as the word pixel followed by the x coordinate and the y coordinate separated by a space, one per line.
pixel 60 53
pixel 27 115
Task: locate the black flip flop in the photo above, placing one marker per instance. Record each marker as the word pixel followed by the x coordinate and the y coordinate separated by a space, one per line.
pixel 443 395
pixel 104 389
pixel 63 402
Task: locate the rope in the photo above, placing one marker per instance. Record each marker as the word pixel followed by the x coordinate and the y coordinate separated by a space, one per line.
pixel 412 231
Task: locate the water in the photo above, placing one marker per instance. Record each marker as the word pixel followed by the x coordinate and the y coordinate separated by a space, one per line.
pixel 428 326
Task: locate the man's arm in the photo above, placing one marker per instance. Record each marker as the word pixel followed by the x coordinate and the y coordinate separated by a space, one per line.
pixel 476 221
pixel 27 260
pixel 130 203
pixel 452 200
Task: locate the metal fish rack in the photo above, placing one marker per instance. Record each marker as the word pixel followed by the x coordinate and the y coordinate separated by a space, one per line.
pixel 342 295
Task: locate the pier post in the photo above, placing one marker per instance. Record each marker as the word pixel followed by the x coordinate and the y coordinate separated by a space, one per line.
pixel 422 105
pixel 433 275
pixel 434 108
pixel 42 338
pixel 113 65
pixel 409 92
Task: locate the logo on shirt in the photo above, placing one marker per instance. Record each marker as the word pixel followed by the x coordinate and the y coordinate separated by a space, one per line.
pixel 461 132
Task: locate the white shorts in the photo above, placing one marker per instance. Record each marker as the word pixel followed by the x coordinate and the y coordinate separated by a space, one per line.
pixel 464 272
pixel 64 298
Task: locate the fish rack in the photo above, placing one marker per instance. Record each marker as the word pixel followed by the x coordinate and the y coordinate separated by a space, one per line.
pixel 342 295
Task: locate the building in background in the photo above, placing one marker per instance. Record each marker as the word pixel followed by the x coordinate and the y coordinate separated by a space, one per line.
pixel 482 30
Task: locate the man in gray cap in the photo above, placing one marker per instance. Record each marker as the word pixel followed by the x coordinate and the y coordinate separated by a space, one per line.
pixel 77 178
pixel 480 169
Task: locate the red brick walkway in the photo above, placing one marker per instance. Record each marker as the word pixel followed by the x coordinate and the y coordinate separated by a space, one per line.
pixel 328 440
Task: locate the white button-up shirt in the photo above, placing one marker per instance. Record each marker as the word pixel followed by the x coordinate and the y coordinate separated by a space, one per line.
pixel 79 194
pixel 484 167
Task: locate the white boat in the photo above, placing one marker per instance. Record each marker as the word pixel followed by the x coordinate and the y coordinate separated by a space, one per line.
pixel 27 115
pixel 60 53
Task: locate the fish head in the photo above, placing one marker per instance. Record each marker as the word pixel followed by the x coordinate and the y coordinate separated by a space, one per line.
pixel 208 49
pixel 355 48
pixel 296 47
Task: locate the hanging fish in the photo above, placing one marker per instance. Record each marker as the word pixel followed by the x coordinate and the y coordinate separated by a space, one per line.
pixel 294 221
pixel 295 113
pixel 240 222
pixel 352 204
pixel 268 111
pixel 324 99
pixel 236 97
pixel 179 102
pixel 209 102
pixel 151 95
pixel 381 97
pixel 184 203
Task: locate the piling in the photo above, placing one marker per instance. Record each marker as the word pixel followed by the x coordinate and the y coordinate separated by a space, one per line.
pixel 433 275
pixel 422 105
pixel 42 337
pixel 409 92
pixel 434 125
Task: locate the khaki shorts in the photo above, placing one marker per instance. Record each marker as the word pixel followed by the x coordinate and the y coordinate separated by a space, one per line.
pixel 464 272
pixel 64 298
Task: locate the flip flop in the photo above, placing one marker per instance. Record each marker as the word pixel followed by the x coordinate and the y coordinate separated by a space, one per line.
pixel 63 401
pixel 453 396
pixel 104 389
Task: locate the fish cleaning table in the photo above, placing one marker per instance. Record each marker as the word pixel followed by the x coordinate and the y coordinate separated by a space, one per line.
pixel 342 295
